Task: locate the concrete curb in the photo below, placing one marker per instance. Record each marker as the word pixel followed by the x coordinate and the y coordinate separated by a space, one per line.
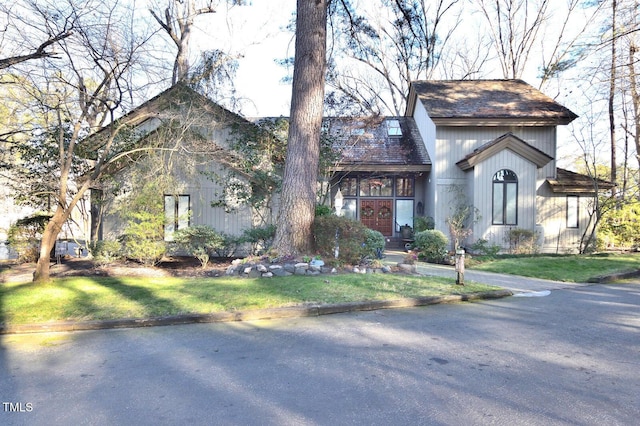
pixel 604 279
pixel 252 315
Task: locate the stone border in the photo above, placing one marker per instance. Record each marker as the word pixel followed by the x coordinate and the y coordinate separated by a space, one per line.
pixel 240 268
pixel 252 315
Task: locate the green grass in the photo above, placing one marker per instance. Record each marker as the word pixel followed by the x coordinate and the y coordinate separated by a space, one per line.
pixel 572 268
pixel 94 298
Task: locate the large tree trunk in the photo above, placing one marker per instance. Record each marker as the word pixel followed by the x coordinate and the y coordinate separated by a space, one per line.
pixel 299 184
pixel 51 231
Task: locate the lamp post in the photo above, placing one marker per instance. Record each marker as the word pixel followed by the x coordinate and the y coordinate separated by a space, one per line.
pixel 338 202
pixel 460 266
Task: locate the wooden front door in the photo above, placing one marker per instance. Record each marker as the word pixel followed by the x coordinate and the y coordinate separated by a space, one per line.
pixel 377 215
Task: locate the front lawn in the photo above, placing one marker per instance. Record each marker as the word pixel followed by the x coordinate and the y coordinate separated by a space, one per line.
pixel 91 298
pixel 574 268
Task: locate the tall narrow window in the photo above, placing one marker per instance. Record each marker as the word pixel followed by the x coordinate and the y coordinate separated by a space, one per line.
pixel 505 198
pixel 572 211
pixel 176 214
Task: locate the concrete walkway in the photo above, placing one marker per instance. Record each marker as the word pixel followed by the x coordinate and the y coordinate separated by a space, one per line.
pixel 514 283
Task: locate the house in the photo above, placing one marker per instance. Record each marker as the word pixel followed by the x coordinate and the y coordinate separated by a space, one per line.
pixel 485 145
pixel 189 138
pixel 493 146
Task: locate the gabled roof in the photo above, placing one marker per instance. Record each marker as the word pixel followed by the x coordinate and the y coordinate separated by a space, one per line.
pixel 507 141
pixel 575 183
pixel 178 95
pixel 486 102
pixel 177 103
pixel 367 144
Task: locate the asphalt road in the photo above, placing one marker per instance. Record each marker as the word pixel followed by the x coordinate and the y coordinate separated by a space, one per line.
pixel 572 357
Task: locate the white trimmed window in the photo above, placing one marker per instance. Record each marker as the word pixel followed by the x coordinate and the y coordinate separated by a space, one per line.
pixel 573 210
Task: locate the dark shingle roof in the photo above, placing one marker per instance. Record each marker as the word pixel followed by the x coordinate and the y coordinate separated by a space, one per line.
pixel 366 143
pixel 488 99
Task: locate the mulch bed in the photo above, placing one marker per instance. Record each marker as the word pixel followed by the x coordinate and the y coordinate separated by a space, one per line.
pixel 173 267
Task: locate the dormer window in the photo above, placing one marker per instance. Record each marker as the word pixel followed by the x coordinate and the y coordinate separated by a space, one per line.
pixel 393 128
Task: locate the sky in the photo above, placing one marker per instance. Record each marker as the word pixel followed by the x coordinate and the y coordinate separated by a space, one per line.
pixel 258 33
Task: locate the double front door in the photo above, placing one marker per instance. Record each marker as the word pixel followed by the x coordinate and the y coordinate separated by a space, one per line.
pixel 377 215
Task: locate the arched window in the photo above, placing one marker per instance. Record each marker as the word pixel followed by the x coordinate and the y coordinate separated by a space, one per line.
pixel 505 198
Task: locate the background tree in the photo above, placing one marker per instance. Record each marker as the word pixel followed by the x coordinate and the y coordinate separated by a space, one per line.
pixel 176 18
pixel 380 47
pixel 299 183
pixel 514 27
pixel 74 94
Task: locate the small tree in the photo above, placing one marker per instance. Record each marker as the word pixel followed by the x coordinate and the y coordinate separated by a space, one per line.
pixel 340 236
pixel 143 238
pixel 200 241
pixel 24 236
pixel 462 217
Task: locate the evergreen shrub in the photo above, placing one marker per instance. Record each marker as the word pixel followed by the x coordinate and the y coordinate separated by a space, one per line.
pixel 348 235
pixel 432 245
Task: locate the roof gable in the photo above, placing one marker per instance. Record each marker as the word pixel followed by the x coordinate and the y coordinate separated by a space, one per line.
pixel 486 102
pixel 507 141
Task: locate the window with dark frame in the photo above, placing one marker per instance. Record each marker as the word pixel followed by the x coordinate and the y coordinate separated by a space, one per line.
pixel 176 213
pixel 404 187
pixel 376 187
pixel 349 187
pixel 505 198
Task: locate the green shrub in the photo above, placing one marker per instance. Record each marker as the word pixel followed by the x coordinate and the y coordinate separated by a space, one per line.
pixel 423 223
pixel 483 248
pixel 374 243
pixel 200 241
pixel 323 210
pixel 522 241
pixel 142 240
pixel 260 238
pixel 24 236
pixel 432 245
pixel 229 245
pixel 105 252
pixel 143 212
pixel 349 235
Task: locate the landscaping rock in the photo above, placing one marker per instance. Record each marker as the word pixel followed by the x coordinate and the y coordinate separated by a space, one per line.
pixel 406 268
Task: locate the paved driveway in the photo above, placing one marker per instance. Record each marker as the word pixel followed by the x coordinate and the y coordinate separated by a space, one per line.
pixel 572 357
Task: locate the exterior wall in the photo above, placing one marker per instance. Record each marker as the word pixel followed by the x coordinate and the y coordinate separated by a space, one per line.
pixel 428 133
pixel 186 170
pixel 454 143
pixel 483 196
pixel 556 236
